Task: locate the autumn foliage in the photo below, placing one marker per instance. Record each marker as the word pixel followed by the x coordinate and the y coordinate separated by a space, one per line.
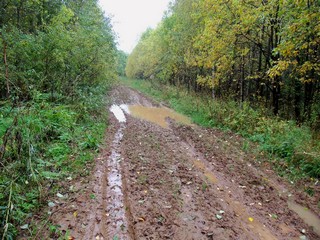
pixel 263 52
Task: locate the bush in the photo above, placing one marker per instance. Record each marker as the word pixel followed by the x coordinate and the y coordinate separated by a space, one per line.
pixel 43 142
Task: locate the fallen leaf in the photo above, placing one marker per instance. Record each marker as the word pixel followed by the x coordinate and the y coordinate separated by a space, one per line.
pixel 51 204
pixel 141 219
pixel 59 195
pixel 75 214
pixel 26 226
pixel 250 219
pixel 219 217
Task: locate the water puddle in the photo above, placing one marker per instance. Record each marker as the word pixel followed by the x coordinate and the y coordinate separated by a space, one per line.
pixel 157 115
pixel 211 178
pixel 308 217
pixel 209 175
pixel 118 113
pixel 117 222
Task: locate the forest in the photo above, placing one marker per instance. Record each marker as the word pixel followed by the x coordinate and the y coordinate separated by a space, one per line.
pixel 57 60
pixel 252 67
pixel 262 52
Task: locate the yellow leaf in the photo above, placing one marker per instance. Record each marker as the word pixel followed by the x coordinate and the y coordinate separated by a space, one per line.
pixel 250 219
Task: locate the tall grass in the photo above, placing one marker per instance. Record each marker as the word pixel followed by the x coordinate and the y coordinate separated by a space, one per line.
pixel 42 143
pixel 293 150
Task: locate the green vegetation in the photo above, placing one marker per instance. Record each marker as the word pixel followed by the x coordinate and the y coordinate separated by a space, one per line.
pixel 292 150
pixel 122 62
pixel 59 60
pixel 262 52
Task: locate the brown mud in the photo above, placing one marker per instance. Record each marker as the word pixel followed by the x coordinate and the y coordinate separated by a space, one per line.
pixel 178 181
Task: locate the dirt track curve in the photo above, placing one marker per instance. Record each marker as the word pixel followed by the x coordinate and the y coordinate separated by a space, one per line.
pixel 178 182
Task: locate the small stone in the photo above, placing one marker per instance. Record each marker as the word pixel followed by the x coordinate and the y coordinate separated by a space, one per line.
pixel 303 231
pixel 303 237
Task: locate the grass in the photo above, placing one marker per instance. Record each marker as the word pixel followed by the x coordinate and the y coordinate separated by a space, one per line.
pixel 43 143
pixel 294 151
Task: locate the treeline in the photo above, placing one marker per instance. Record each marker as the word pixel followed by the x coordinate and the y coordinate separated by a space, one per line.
pixel 55 47
pixel 265 52
pixel 58 58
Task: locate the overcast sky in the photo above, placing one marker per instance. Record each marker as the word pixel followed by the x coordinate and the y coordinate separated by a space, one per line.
pixel 130 18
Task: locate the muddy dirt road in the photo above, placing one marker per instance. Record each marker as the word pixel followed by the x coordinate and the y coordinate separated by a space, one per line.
pixel 158 178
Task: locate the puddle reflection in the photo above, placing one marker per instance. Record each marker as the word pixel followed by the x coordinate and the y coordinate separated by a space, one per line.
pixel 308 217
pixel 157 115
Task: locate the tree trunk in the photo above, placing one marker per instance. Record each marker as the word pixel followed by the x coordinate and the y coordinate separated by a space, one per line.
pixel 6 68
pixel 308 88
pixel 213 75
pixel 276 96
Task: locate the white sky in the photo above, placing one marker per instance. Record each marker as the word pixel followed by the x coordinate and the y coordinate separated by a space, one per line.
pixel 130 18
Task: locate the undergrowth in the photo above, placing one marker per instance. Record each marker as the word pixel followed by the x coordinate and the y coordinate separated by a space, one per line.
pixel 42 143
pixel 293 151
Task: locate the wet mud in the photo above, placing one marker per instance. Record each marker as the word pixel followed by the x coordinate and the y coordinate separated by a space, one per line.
pixel 160 178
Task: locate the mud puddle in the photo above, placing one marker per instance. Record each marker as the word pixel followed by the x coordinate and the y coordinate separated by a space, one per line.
pixel 118 227
pixel 209 175
pixel 118 113
pixel 156 115
pixel 308 217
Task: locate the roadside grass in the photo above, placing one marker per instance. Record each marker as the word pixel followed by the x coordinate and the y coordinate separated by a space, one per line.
pixel 41 145
pixel 293 151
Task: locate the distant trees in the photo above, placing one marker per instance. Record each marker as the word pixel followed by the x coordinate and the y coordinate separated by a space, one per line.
pixel 55 47
pixel 122 62
pixel 265 52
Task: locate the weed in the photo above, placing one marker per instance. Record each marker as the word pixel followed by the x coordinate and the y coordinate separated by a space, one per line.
pixel 309 191
pixel 142 179
pixel 204 186
pixel 246 146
